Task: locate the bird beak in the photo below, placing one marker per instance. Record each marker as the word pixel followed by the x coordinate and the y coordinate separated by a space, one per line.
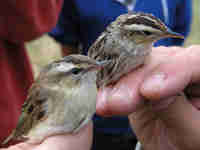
pixel 171 34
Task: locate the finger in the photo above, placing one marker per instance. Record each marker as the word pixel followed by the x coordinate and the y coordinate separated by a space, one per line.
pixel 172 76
pixel 120 99
pixel 124 97
pixel 193 53
pixel 195 102
pixel 182 122
pixel 179 121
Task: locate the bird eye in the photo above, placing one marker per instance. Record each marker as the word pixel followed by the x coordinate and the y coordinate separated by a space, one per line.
pixel 147 32
pixel 76 70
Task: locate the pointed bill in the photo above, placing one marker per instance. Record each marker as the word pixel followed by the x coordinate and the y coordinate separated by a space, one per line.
pixel 173 34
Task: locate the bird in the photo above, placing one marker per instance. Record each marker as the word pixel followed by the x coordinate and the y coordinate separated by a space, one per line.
pixel 61 100
pixel 127 42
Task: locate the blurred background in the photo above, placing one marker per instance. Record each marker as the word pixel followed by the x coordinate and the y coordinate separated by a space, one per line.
pixel 194 37
pixel 45 49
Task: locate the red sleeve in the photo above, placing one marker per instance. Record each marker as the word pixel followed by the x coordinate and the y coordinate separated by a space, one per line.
pixel 24 20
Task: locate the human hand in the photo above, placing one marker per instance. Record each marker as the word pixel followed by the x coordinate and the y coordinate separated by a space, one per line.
pixel 149 94
pixel 82 140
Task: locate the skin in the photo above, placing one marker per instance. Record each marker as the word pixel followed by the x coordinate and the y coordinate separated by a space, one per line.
pixel 160 116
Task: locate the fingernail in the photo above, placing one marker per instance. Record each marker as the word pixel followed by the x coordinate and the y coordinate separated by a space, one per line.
pixel 153 84
pixel 121 93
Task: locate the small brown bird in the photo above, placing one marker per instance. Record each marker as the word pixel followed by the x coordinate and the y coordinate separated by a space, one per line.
pixel 62 99
pixel 127 42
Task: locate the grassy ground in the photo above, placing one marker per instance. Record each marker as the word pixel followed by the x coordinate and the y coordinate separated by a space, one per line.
pixel 45 49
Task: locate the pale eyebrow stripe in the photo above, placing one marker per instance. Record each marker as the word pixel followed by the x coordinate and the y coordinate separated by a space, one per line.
pixel 141 28
pixel 64 67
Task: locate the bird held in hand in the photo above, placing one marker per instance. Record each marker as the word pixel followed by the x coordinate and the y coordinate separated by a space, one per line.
pixel 127 42
pixel 61 100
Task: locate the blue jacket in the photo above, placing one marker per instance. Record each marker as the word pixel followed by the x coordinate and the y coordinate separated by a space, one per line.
pixel 82 21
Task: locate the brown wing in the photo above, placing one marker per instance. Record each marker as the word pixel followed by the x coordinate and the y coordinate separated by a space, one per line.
pixel 96 49
pixel 33 110
pixel 104 48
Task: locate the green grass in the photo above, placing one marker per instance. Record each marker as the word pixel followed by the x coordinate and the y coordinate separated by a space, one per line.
pixel 45 49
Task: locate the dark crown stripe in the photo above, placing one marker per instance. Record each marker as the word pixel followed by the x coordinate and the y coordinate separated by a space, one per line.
pixel 142 19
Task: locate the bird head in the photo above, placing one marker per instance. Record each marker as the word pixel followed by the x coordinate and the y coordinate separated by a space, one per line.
pixel 72 70
pixel 143 28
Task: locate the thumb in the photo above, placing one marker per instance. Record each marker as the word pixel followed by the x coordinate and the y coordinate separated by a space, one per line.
pixel 173 75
